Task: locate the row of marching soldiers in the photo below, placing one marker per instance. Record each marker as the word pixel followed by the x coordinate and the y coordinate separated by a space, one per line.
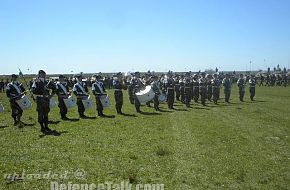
pixel 182 87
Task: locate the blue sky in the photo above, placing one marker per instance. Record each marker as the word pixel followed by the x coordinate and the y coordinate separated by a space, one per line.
pixel 64 36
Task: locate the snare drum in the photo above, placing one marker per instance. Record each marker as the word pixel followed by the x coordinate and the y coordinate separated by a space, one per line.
pixel 52 103
pixel 105 100
pixel 145 95
pixel 24 102
pixel 69 102
pixel 87 102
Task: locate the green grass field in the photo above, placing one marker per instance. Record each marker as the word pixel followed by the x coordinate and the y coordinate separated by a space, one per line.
pixel 227 146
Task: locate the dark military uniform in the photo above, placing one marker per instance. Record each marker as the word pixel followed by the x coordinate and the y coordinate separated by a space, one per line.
pixel 216 90
pixel 187 91
pixel 169 87
pixel 80 89
pixel 118 86
pixel 195 90
pixel 177 89
pixel 14 91
pixel 130 93
pixel 228 85
pixel 241 84
pixel 156 88
pixel 137 85
pixel 41 89
pixel 182 93
pixel 252 84
pixel 99 90
pixel 209 90
pixel 62 90
pixel 203 90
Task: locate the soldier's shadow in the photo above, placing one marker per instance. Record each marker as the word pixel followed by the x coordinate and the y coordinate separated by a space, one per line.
pixel 129 115
pixel 4 126
pixel 150 113
pixel 53 133
pixel 22 124
pixel 53 122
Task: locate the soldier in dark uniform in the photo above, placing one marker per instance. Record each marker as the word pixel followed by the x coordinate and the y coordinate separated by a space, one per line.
pixel 215 88
pixel 182 94
pixel 262 78
pixel 80 90
pixel 2 86
pixel 241 84
pixel 136 85
pixel 169 86
pixel 209 87
pixel 228 86
pixel 99 90
pixel 252 84
pixel 130 90
pixel 41 88
pixel 195 88
pixel 156 88
pixel 187 90
pixel 119 85
pixel 177 87
pixel 62 91
pixel 203 88
pixel 14 92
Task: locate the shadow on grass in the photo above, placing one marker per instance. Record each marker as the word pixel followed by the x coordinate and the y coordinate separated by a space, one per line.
pixel 166 111
pixel 4 126
pixel 53 122
pixel 53 133
pixel 22 124
pixel 108 116
pixel 150 113
pixel 89 117
pixel 129 115
pixel 71 119
pixel 181 109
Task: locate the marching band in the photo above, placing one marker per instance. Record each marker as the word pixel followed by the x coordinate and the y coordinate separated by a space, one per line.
pixel 152 88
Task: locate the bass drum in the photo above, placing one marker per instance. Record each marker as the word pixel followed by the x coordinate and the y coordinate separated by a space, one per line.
pixel 145 95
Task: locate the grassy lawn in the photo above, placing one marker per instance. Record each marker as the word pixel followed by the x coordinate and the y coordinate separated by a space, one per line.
pixel 227 146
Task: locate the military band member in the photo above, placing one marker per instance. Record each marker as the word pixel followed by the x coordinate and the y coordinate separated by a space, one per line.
pixel 119 85
pixel 80 90
pixel 215 88
pixel 187 90
pixel 203 88
pixel 195 88
pixel 156 88
pixel 99 91
pixel 130 90
pixel 177 87
pixel 252 84
pixel 227 88
pixel 181 83
pixel 169 86
pixel 14 92
pixel 209 87
pixel 43 90
pixel 137 85
pixel 62 91
pixel 241 84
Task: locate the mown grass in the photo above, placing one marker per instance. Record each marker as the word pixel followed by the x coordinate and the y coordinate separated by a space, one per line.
pixel 226 146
